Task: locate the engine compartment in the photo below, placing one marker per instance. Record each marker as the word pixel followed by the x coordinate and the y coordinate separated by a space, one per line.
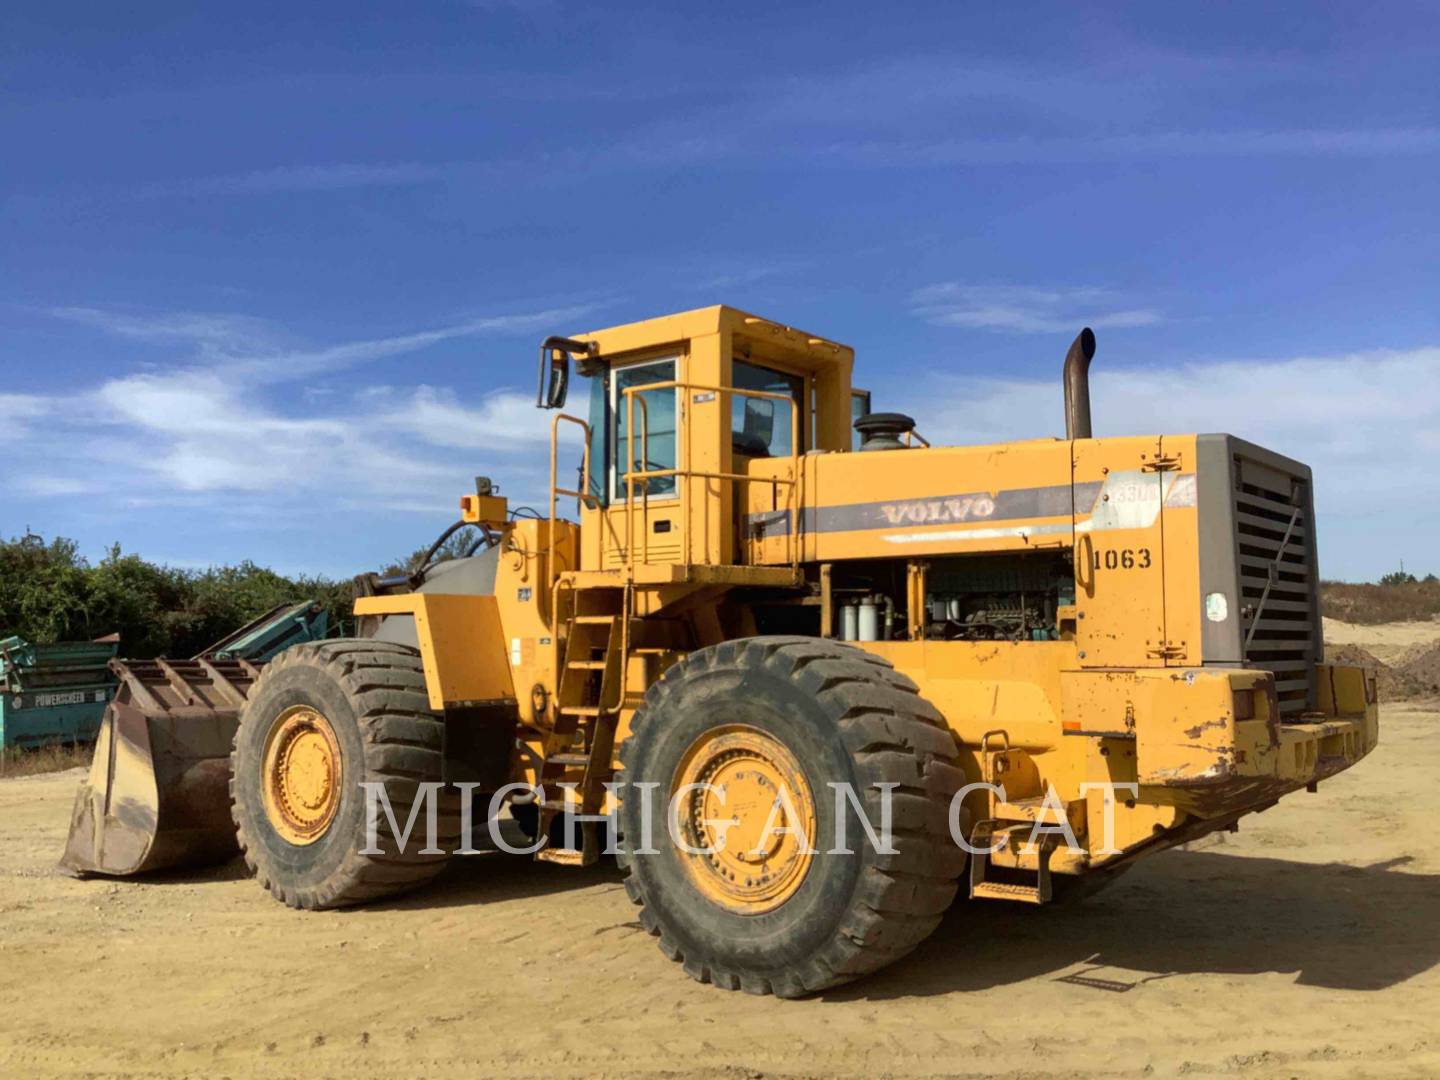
pixel 1009 597
pixel 998 597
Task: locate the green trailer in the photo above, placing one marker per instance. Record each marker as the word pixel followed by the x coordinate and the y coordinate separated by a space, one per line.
pixel 53 693
pixel 58 693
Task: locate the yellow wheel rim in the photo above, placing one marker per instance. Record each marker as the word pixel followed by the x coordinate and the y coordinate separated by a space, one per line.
pixel 739 793
pixel 302 775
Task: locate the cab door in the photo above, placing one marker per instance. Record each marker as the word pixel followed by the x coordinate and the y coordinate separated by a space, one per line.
pixel 655 514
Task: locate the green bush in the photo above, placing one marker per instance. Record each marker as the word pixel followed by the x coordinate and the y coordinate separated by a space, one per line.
pixel 1384 602
pixel 1398 577
pixel 49 592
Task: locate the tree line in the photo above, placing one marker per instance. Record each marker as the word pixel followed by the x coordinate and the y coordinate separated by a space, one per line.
pixel 50 592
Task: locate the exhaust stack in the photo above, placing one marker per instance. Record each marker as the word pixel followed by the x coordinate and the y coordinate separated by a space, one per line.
pixel 1077 385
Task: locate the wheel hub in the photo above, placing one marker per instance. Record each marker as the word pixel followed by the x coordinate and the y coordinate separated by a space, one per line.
pixel 739 793
pixel 302 775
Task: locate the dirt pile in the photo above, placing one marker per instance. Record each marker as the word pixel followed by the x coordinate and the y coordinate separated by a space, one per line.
pixel 1423 667
pixel 1394 684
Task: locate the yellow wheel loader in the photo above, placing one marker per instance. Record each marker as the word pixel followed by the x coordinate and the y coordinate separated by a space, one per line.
pixel 820 673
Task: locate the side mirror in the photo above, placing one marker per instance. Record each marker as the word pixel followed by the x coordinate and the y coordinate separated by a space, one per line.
pixel 559 385
pixel 759 420
pixel 555 353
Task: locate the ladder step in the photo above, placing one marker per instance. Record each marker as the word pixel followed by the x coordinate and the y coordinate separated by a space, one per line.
pixel 983 888
pixel 1000 890
pixel 580 710
pixel 587 665
pixel 594 620
pixel 568 759
pixel 565 856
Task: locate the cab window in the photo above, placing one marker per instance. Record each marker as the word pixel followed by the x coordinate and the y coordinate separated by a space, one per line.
pixel 761 427
pixel 656 423
pixel 859 406
pixel 600 457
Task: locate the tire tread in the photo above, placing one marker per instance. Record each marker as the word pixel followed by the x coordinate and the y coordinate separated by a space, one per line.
pixel 404 745
pixel 893 736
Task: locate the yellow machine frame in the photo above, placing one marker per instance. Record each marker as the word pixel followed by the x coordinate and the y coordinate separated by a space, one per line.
pixel 1126 692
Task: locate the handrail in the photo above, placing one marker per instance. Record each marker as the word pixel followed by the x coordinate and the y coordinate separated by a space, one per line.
pixel 630 400
pixel 627 612
pixel 582 496
pixel 681 472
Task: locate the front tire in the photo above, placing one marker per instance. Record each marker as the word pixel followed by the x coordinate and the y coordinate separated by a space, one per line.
pixel 750 717
pixel 322 720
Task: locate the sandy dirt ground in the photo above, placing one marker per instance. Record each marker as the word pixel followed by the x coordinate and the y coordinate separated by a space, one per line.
pixel 1306 945
pixel 1390 643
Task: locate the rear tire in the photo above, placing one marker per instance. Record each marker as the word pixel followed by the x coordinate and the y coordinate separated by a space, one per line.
pixel 829 713
pixel 376 727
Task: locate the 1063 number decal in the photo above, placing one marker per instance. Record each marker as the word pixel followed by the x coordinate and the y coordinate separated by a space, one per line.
pixel 1122 559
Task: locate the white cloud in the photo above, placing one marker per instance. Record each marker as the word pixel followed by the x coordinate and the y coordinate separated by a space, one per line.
pixel 16 410
pixel 228 437
pixel 209 333
pixel 203 432
pixel 286 366
pixel 255 350
pixel 55 486
pixel 1360 421
pixel 501 420
pixel 1026 310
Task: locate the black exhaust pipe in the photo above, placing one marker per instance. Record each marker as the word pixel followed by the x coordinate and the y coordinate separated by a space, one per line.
pixel 1077 385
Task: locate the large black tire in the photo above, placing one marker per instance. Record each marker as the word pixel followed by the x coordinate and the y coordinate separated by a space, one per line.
pixel 845 716
pixel 373 695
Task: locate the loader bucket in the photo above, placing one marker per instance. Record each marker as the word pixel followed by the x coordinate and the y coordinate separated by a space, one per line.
pixel 158 790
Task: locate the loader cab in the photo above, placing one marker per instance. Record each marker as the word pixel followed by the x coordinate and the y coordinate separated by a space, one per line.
pixel 692 421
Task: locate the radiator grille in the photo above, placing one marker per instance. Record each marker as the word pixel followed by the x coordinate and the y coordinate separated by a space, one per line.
pixel 1280 624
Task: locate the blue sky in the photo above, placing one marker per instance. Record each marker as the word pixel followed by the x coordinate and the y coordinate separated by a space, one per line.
pixel 274 274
